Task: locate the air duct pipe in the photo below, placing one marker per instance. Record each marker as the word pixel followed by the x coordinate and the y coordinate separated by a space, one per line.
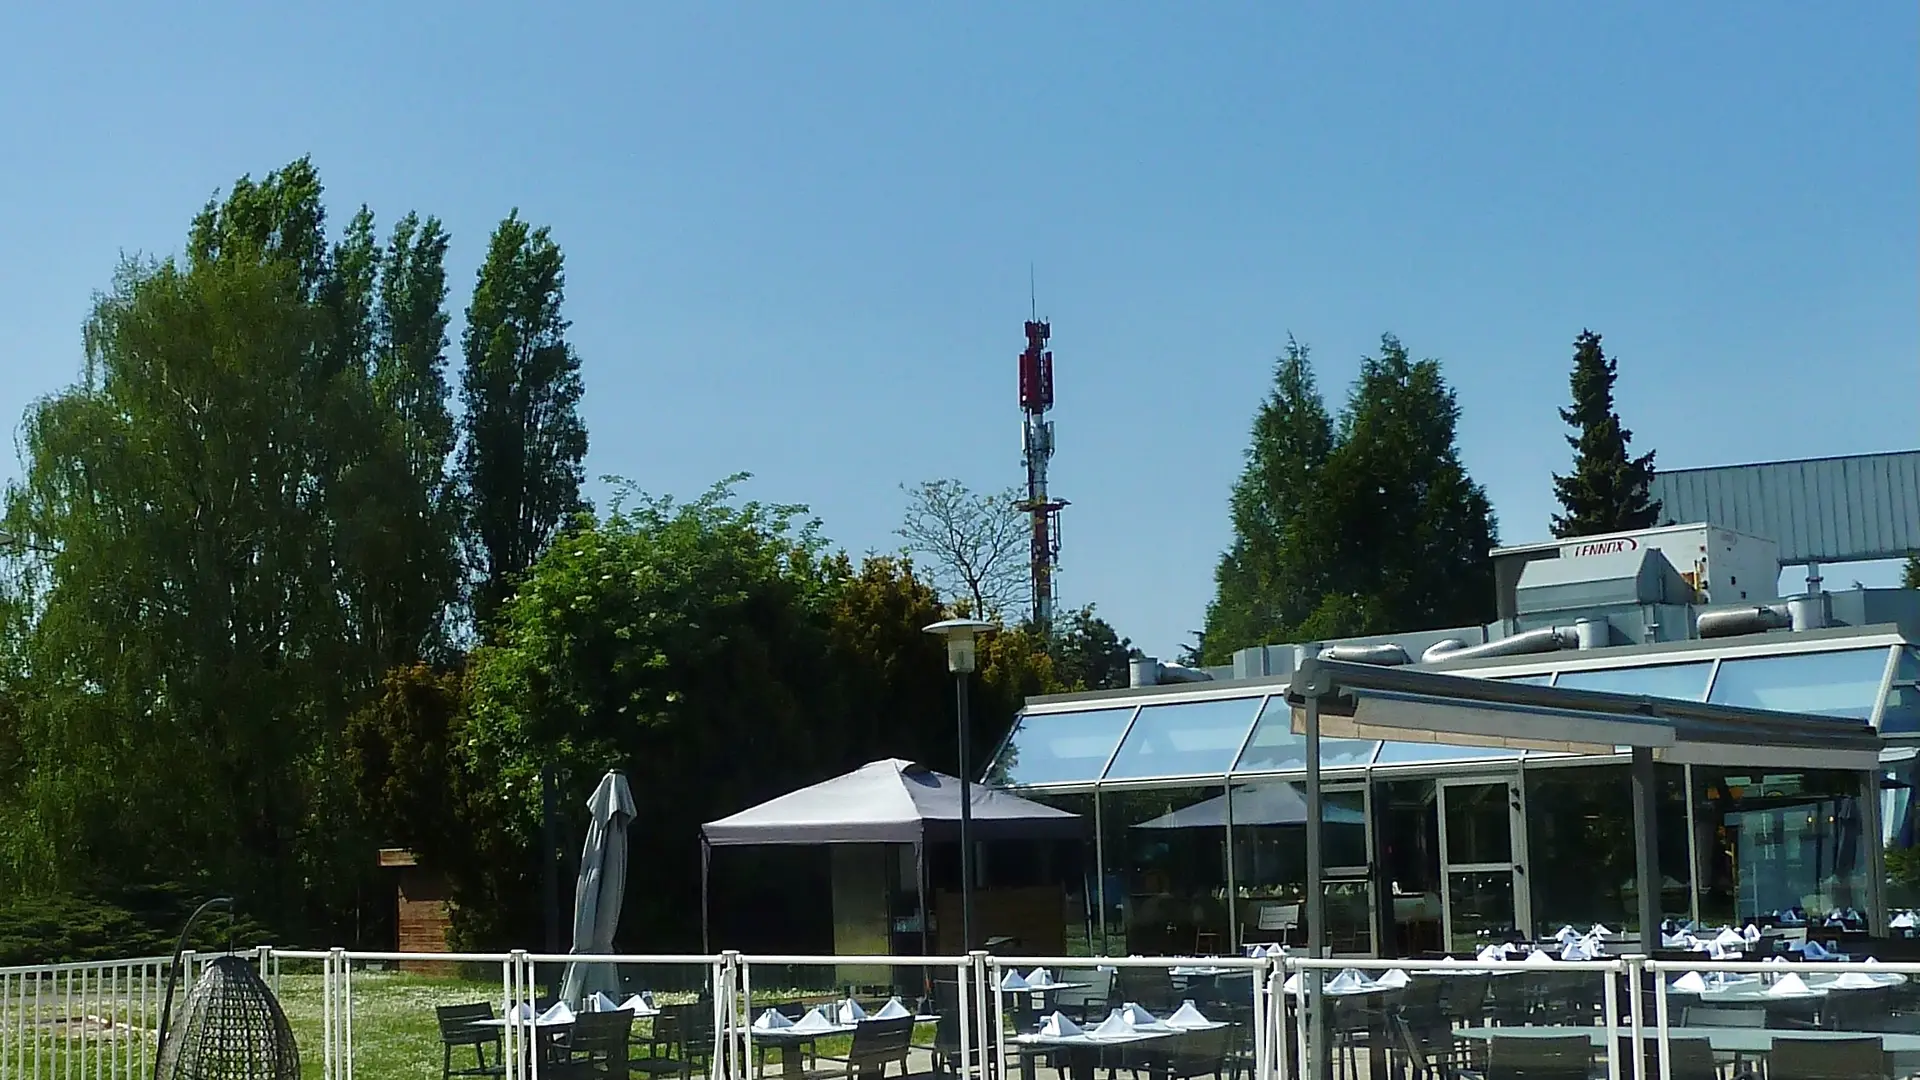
pixel 1808 611
pixel 1544 639
pixel 1747 620
pixel 1147 671
pixel 1383 655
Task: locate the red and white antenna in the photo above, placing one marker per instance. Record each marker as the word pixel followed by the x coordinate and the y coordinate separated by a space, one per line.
pixel 1036 447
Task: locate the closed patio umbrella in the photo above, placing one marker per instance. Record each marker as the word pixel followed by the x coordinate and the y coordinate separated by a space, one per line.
pixel 602 884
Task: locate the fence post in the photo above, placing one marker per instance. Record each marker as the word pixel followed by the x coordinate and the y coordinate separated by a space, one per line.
pixel 1636 969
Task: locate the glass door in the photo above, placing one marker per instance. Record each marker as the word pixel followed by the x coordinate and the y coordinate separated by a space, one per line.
pixel 1482 849
pixel 1346 844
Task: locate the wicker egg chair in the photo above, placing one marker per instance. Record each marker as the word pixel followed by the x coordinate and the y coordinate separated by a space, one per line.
pixel 231 1027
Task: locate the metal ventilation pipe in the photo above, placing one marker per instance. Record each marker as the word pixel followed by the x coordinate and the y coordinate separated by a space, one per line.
pixel 1592 633
pixel 1808 611
pixel 1544 639
pixel 1147 671
pixel 1751 620
pixel 1388 655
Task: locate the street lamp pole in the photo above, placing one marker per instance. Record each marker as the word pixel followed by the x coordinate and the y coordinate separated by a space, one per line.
pixel 959 635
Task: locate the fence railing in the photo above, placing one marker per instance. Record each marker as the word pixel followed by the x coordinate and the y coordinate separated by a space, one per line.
pixel 977 1017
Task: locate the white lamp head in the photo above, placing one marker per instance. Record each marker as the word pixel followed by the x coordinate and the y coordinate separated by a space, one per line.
pixel 959 634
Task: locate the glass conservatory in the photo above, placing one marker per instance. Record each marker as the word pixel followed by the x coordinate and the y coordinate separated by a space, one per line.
pixel 1197 794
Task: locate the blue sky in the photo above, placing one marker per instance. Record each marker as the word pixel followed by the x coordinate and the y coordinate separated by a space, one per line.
pixel 798 234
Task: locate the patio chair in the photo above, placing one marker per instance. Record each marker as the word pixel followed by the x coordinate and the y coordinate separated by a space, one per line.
pixel 1194 1054
pixel 1568 1057
pixel 1688 1058
pixel 1828 1059
pixel 1150 988
pixel 460 1027
pixel 876 1045
pixel 595 1048
pixel 682 1041
pixel 1089 1002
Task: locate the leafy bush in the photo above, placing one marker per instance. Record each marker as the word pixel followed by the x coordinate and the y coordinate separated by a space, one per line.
pixel 58 928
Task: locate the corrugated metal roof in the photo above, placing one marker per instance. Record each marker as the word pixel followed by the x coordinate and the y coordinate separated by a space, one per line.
pixel 1837 509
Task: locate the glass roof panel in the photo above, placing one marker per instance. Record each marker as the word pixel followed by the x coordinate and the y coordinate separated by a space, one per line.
pixel 1059 748
pixel 1545 678
pixel 1275 748
pixel 1409 753
pixel 1184 738
pixel 1902 714
pixel 1688 682
pixel 1825 683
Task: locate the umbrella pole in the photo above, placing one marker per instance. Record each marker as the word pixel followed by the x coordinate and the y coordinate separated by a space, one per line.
pixel 706 863
pixel 920 889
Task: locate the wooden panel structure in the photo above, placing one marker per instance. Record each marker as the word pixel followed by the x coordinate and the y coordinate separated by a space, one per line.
pixel 424 915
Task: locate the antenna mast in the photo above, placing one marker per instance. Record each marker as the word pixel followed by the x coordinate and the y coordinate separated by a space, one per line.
pixel 1036 446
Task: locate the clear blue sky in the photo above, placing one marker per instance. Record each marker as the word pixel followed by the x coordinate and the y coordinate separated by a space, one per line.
pixel 798 234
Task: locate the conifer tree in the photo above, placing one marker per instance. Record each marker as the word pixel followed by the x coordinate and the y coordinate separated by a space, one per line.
pixel 1607 490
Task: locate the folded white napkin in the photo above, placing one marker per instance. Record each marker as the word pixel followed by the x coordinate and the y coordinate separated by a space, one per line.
pixel 771 1020
pixel 1135 1016
pixel 1814 951
pixel 1600 931
pixel 1730 938
pixel 560 1013
pixel 1186 1016
pixel 1751 933
pixel 1690 983
pixel 1276 950
pixel 1855 980
pixel 1871 960
pixel 892 1010
pixel 1347 982
pixel 1058 1026
pixel 522 1011
pixel 815 1020
pixel 1393 978
pixel 1114 1026
pixel 1717 951
pixel 1566 934
pixel 1789 985
pixel 1039 977
pixel 1013 980
pixel 1539 956
pixel 639 1003
pixel 1681 940
pixel 1490 954
pixel 1902 921
pixel 1575 950
pixel 849 1012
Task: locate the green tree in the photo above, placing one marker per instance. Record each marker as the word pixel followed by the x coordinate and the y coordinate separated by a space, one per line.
pixel 1910 573
pixel 1088 653
pixel 1607 490
pixel 1264 584
pixel 1367 527
pixel 520 461
pixel 1397 531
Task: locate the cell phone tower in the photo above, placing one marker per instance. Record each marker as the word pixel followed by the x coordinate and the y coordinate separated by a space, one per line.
pixel 1036 448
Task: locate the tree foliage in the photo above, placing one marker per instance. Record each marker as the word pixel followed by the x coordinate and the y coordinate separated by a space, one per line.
pixel 525 441
pixel 721 655
pixel 1608 489
pixel 975 546
pixel 1088 653
pixel 217 487
pixel 1377 528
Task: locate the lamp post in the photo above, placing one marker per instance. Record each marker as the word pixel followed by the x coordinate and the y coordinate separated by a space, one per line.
pixel 959 635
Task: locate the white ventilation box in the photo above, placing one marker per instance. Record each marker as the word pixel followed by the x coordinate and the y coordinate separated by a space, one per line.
pixel 1720 565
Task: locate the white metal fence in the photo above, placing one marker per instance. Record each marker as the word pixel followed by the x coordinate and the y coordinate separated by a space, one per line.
pixel 101 1020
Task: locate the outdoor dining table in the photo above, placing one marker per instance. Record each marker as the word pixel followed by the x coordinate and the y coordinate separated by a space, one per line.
pixel 1083 1050
pixel 791 1065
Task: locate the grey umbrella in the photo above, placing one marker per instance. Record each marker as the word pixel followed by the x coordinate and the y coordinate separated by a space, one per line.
pixel 603 882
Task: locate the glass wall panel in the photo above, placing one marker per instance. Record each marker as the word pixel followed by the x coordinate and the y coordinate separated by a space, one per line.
pixel 1057 748
pixel 1580 840
pixel 1687 682
pixel 1902 713
pixel 1776 841
pixel 1275 748
pixel 1407 818
pixel 1408 753
pixel 1826 684
pixel 1188 738
pixel 1270 862
pixel 1167 870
